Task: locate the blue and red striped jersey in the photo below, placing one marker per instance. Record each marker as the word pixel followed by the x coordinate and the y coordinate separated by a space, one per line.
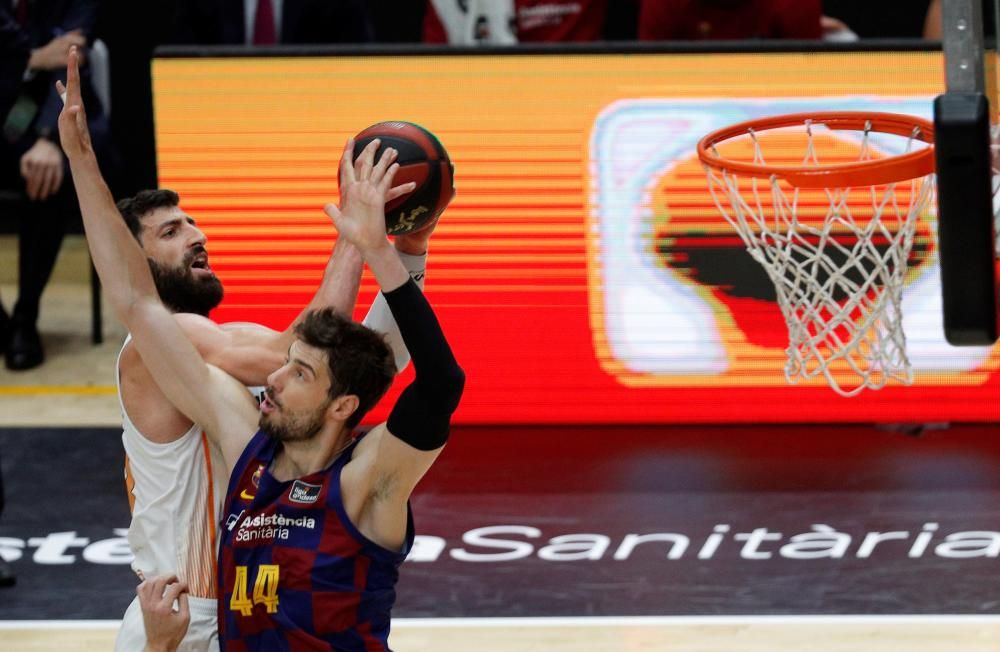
pixel 294 572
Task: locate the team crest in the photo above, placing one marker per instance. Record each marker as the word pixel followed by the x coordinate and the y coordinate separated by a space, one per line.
pixel 255 480
pixel 303 492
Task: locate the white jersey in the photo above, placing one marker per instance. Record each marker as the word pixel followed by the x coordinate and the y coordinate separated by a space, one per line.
pixel 175 492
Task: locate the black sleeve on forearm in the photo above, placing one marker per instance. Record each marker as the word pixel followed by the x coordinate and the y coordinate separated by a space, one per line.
pixel 422 414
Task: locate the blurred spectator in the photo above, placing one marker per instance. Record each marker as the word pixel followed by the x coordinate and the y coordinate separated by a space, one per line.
pixel 836 30
pixel 504 22
pixel 130 51
pixel 560 21
pixel 31 161
pixel 932 22
pixel 13 62
pixel 881 19
pixel 200 22
pixel 470 22
pixel 397 21
pixel 270 22
pixel 713 20
pixel 14 53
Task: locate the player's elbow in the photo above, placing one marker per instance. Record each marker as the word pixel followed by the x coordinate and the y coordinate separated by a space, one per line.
pixel 139 312
pixel 451 389
pixel 442 394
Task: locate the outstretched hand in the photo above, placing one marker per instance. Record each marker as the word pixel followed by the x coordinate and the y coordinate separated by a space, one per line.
pixel 165 626
pixel 365 188
pixel 74 136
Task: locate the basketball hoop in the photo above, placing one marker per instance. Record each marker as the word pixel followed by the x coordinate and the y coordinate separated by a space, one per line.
pixel 834 235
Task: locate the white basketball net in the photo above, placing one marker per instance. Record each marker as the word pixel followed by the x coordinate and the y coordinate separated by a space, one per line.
pixel 839 280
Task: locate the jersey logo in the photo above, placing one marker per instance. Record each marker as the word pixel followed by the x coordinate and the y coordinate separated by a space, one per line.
pixel 233 520
pixel 255 479
pixel 304 493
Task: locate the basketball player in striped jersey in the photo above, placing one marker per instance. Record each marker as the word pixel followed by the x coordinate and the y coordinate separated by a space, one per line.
pixel 316 522
pixel 174 473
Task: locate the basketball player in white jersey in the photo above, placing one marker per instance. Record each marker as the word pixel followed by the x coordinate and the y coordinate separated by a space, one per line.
pixel 174 474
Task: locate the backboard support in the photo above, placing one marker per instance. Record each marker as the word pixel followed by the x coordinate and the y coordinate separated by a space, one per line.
pixel 968 164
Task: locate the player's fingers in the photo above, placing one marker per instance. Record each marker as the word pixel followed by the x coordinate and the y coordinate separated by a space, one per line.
pixel 347 162
pixel 75 37
pixel 387 159
pixel 363 166
pixel 184 610
pixel 332 211
pixel 61 90
pixel 47 179
pixel 54 179
pixel 80 116
pixel 32 182
pixel 386 181
pixel 399 191
pixel 173 592
pixel 73 78
pixel 160 585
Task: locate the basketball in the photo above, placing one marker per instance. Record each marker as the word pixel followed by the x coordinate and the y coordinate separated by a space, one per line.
pixel 423 160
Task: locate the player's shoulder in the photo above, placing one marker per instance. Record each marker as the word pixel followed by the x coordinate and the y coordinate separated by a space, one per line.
pixel 246 326
pixel 368 442
pixel 193 323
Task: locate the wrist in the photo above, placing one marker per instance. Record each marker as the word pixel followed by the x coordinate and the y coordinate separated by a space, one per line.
pixel 379 253
pixel 377 250
pixel 411 246
pixel 46 134
pixel 152 647
pixel 388 269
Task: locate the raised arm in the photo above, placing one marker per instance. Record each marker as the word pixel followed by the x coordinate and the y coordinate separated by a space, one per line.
pixel 205 396
pixel 251 353
pixel 398 453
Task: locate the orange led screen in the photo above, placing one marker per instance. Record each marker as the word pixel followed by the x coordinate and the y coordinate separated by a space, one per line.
pixel 582 273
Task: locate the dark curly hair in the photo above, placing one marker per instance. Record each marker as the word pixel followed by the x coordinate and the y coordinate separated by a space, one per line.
pixel 145 201
pixel 360 361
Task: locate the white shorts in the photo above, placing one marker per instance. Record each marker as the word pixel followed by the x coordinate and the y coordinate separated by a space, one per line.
pixel 202 634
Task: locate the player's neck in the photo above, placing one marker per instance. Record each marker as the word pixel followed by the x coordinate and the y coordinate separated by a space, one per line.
pixel 300 458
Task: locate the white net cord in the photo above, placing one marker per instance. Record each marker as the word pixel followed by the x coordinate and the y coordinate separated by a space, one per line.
pixel 839 279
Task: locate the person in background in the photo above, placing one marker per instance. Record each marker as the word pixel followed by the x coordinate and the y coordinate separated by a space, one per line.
pixel 270 22
pixel 507 22
pixel 32 162
pixel 716 20
pixel 13 59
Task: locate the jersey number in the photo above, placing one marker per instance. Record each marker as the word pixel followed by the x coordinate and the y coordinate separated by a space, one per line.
pixel 265 590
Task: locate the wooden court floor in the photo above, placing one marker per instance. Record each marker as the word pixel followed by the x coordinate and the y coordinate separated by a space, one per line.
pixel 839 634
pixel 74 389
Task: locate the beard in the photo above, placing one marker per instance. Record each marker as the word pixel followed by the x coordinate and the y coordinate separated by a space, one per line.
pixel 296 427
pixel 181 291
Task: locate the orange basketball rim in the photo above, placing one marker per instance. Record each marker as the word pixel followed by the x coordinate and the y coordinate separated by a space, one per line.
pixel 834 231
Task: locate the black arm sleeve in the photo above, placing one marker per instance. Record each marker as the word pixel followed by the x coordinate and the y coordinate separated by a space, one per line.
pixel 422 414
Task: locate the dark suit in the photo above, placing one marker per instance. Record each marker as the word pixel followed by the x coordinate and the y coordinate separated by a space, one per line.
pixel 14 52
pixel 221 22
pixel 13 59
pixel 42 224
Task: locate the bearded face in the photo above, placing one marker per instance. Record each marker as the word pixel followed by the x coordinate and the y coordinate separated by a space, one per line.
pixel 189 287
pixel 284 425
